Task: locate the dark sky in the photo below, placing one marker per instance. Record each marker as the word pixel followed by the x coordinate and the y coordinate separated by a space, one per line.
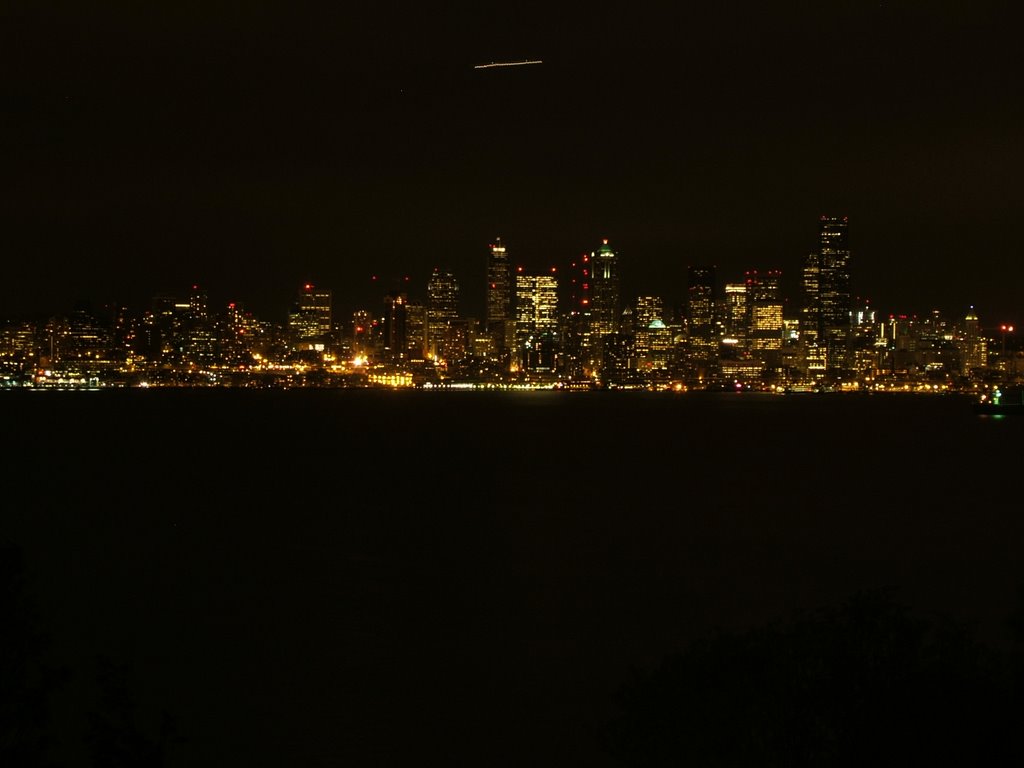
pixel 253 146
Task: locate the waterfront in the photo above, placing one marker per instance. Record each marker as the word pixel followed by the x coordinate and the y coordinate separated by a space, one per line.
pixel 325 576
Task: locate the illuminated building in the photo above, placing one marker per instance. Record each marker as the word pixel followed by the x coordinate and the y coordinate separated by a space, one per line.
pixel 499 294
pixel 576 347
pixel 834 290
pixel 394 344
pixel 737 314
pixel 594 310
pixel 974 347
pixel 653 345
pixel 442 310
pixel 310 318
pixel 826 312
pixel 652 338
pixel 536 321
pixel 646 309
pixel 810 312
pixel 703 330
pixel 362 334
pixel 604 291
pixel 415 331
pixel 764 297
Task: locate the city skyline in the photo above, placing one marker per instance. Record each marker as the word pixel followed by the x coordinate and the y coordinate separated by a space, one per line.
pixel 472 299
pixel 156 147
pixel 561 327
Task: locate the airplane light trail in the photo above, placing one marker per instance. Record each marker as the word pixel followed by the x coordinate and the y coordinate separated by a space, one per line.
pixel 507 64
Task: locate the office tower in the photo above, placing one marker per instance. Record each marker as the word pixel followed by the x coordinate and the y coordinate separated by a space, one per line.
pixel 652 339
pixel 703 331
pixel 737 314
pixel 198 303
pixel 362 334
pixel 810 311
pixel 310 317
pixel 536 320
pixel 974 349
pixel 499 293
pixel 442 310
pixel 575 331
pixel 393 333
pixel 764 297
pixel 646 309
pixel 415 331
pixel 603 287
pixel 834 290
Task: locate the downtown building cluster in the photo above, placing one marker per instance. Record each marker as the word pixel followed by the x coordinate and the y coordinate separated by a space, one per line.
pixel 568 327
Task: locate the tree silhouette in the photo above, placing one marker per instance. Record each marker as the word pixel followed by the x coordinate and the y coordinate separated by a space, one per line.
pixel 115 737
pixel 26 681
pixel 863 683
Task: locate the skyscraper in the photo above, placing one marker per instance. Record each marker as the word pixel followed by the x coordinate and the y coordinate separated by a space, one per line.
pixel 764 298
pixel 499 294
pixel 834 290
pixel 700 305
pixel 442 309
pixel 737 314
pixel 604 291
pixel 834 272
pixel 310 317
pixel 536 320
pixel 393 336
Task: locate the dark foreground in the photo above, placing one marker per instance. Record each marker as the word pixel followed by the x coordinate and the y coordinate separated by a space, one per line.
pixel 321 578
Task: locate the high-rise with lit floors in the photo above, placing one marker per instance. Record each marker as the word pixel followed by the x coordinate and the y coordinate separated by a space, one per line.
pixel 536 321
pixel 604 291
pixel 442 310
pixel 764 297
pixel 499 295
pixel 703 331
pixel 310 317
pixel 834 290
pixel 737 315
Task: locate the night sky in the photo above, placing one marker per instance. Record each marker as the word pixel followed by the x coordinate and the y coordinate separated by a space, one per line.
pixel 253 147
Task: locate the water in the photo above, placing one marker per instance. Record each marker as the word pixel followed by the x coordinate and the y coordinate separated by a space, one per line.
pixel 319 577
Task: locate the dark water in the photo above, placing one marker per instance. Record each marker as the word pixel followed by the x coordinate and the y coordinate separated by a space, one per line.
pixel 328 577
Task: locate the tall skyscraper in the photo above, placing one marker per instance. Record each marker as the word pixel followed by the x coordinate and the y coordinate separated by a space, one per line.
pixel 499 294
pixel 310 317
pixel 393 336
pixel 604 291
pixel 974 352
pixel 536 320
pixel 737 314
pixel 810 312
pixel 442 309
pixel 764 297
pixel 703 332
pixel 834 272
pixel 834 290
